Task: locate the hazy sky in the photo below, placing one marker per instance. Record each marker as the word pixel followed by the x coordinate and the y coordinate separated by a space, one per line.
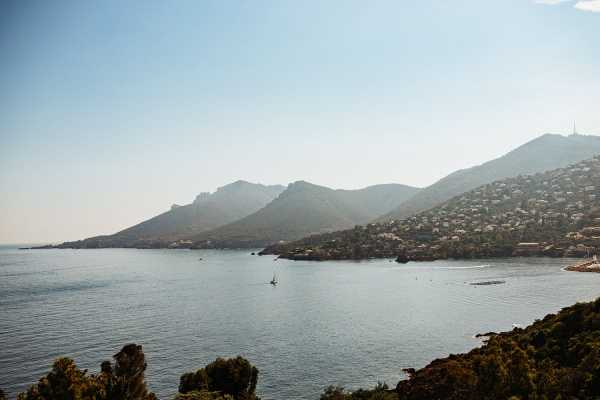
pixel 111 111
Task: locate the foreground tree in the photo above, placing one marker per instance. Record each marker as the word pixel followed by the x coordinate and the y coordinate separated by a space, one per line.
pixel 67 382
pixel 126 380
pixel 235 377
pixel 64 382
pixel 203 395
pixel 380 392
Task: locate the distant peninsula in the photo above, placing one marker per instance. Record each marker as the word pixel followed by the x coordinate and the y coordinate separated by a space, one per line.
pixel 540 199
pixel 553 214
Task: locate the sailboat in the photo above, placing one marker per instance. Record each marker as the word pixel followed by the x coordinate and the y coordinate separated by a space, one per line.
pixel 274 280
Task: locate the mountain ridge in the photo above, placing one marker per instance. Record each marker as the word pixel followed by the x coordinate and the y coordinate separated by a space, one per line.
pixel 545 152
pixel 554 213
pixel 208 211
pixel 305 208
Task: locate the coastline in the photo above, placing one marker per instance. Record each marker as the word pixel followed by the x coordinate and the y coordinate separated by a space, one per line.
pixel 419 258
pixel 585 266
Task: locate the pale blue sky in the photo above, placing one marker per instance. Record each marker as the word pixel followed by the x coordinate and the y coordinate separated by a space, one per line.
pixel 111 112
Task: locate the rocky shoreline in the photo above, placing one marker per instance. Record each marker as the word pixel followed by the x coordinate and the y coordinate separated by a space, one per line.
pixel 406 257
pixel 585 266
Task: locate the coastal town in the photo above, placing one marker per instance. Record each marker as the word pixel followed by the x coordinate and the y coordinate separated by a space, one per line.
pixel 555 214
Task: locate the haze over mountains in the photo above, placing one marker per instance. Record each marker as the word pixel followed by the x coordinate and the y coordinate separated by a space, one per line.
pixel 553 213
pixel 247 215
pixel 304 209
pixel 546 152
pixel 209 210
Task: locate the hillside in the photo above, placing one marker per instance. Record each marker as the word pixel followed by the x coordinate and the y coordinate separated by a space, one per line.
pixel 208 211
pixel 555 213
pixel 304 209
pixel 541 154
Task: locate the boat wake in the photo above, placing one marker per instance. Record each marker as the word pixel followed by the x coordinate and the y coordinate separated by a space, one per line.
pixel 416 266
pixel 467 267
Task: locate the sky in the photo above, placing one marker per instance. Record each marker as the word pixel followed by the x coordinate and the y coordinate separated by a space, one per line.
pixel 111 111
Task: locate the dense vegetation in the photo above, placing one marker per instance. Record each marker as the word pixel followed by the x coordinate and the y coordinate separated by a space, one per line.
pixel 557 358
pixel 234 378
pixel 380 392
pixel 123 380
pixel 223 379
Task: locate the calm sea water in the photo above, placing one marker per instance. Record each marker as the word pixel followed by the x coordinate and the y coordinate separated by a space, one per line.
pixel 345 323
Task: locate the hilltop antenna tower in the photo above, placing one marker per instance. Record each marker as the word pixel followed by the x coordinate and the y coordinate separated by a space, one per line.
pixel 575 128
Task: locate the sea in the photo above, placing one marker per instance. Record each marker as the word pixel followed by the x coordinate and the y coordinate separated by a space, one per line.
pixel 344 323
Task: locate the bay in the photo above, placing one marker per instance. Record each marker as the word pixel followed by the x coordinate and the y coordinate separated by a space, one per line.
pixel 345 323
